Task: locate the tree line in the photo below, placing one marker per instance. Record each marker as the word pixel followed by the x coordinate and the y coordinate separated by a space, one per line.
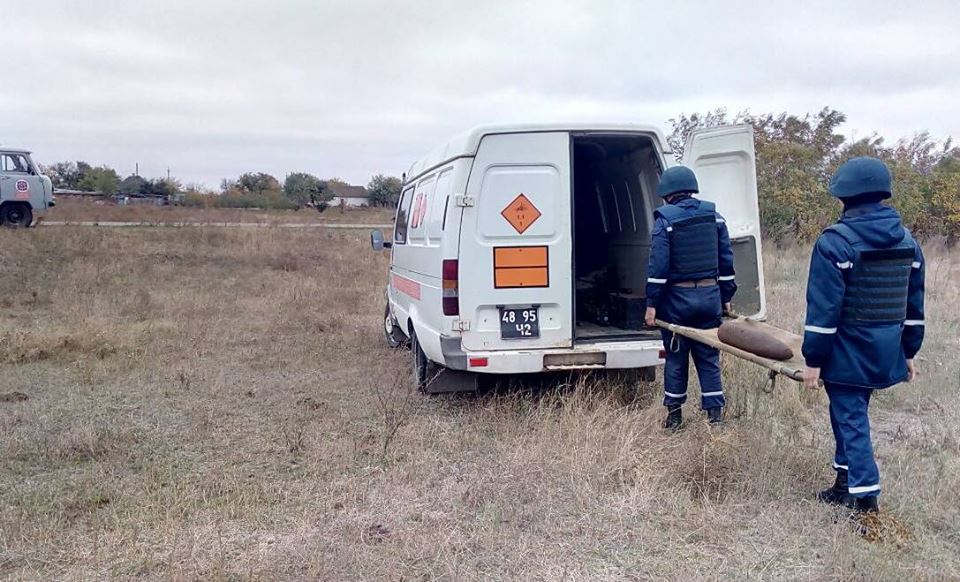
pixel 105 180
pixel 298 190
pixel 797 154
pixel 249 190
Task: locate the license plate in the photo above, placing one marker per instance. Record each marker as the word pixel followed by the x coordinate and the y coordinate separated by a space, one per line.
pixel 519 323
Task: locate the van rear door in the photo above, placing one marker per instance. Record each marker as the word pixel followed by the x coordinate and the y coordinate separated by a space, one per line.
pixel 725 162
pixel 515 262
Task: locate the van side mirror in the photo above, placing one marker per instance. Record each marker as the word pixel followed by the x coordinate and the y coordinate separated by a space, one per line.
pixel 377 242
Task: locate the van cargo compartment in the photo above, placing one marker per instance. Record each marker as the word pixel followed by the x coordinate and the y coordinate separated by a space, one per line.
pixel 614 182
pixel 627 310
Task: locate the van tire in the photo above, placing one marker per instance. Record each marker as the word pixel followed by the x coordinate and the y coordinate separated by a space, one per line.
pixel 393 334
pixel 16 215
pixel 424 370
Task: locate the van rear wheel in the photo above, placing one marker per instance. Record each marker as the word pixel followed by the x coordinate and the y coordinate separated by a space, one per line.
pixel 423 369
pixel 393 334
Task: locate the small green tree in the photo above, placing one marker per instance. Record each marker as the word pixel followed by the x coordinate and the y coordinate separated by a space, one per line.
pixel 133 184
pixel 63 175
pixel 302 188
pixel 163 187
pixel 258 182
pixel 102 179
pixel 384 190
pixel 944 192
pixel 83 168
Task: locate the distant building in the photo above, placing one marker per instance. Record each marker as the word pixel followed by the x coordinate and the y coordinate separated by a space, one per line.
pixel 352 196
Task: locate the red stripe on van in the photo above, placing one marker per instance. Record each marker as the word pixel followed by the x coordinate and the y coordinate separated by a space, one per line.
pixel 406 286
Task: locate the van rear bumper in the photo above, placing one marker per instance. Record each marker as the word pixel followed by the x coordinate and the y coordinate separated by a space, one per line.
pixel 601 355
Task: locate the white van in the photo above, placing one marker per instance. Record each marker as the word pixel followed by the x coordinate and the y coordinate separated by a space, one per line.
pixel 524 248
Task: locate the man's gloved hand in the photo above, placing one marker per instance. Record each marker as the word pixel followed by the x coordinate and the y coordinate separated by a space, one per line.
pixel 651 316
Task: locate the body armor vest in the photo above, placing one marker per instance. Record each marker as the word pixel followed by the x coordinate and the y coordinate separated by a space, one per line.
pixel 879 282
pixel 694 247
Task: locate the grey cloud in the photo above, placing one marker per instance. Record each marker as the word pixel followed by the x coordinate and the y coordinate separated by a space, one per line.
pixel 213 88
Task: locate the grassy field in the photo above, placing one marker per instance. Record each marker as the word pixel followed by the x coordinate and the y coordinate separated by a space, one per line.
pixel 219 404
pixel 87 209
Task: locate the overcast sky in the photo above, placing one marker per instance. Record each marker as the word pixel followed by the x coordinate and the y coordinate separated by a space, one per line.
pixel 213 88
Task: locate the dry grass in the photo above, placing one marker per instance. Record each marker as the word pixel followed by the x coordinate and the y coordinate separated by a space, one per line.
pixel 76 209
pixel 218 404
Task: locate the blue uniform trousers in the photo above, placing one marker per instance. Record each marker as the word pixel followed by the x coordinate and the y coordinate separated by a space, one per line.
pixel 697 307
pixel 851 431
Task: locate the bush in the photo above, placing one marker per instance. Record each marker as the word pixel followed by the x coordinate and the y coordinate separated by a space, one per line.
pixel 234 198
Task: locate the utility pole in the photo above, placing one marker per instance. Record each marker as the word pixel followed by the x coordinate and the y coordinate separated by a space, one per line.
pixel 136 172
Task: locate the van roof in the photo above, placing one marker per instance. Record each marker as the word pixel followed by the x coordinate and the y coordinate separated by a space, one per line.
pixel 466 143
pixel 14 150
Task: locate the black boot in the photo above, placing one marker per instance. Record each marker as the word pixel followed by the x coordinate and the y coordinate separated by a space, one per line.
pixel 869 504
pixel 715 415
pixel 838 494
pixel 865 510
pixel 674 419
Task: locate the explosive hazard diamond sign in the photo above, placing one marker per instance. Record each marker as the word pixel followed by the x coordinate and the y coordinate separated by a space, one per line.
pixel 521 213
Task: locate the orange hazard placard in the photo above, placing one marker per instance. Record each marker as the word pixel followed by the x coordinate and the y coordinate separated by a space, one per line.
pixel 521 213
pixel 521 267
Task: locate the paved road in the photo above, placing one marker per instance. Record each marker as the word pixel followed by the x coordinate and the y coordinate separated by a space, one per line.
pixel 115 224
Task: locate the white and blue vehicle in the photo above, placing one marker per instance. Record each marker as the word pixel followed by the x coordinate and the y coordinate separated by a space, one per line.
pixel 25 193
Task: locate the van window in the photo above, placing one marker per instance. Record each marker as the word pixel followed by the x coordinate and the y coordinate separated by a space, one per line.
pixel 420 210
pixel 14 163
pixel 403 215
pixel 438 215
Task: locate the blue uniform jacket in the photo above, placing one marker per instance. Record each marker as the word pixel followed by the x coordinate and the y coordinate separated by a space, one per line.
pixel 860 355
pixel 658 269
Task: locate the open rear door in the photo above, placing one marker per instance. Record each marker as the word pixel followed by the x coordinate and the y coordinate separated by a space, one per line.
pixel 725 163
pixel 515 244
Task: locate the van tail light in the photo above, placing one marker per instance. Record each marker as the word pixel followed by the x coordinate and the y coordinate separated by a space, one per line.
pixel 663 354
pixel 451 291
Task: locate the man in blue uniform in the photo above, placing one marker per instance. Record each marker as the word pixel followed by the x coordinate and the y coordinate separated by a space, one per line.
pixel 690 282
pixel 864 320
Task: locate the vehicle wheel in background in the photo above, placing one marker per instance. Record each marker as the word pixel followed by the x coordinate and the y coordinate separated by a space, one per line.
pixel 16 215
pixel 394 335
